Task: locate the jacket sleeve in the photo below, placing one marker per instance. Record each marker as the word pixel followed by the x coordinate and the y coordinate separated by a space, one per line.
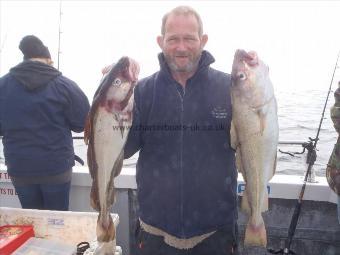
pixel 134 141
pixel 77 106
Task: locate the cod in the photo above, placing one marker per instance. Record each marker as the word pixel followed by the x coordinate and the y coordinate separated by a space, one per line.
pixel 254 136
pixel 106 131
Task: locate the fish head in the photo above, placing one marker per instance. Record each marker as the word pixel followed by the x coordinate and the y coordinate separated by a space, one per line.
pixel 116 88
pixel 250 77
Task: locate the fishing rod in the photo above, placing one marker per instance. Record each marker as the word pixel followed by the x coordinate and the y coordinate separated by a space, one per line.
pixel 311 157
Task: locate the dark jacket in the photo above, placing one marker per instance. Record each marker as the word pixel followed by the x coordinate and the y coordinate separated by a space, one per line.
pixel 186 174
pixel 38 109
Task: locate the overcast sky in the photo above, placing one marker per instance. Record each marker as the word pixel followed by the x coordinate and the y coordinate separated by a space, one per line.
pixel 299 40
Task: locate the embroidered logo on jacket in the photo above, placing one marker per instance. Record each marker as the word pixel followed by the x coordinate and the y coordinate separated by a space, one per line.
pixel 219 112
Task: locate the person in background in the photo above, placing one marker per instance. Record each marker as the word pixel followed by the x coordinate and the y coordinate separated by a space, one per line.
pixel 186 174
pixel 333 167
pixel 39 107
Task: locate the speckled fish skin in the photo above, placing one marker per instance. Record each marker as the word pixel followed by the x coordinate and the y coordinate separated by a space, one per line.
pixel 106 132
pixel 254 135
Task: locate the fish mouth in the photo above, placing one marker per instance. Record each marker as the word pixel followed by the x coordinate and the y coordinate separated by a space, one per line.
pixel 133 71
pixel 250 58
pixel 128 71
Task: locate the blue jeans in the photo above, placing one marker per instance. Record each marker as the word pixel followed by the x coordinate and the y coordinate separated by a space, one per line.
pixel 44 196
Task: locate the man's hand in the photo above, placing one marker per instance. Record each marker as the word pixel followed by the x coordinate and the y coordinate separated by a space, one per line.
pixel 106 69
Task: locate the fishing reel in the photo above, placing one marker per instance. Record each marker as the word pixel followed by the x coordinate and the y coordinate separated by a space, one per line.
pixel 309 146
pixel 311 151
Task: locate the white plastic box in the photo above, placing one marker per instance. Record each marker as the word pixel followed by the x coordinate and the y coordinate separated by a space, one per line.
pixel 62 226
pixel 39 246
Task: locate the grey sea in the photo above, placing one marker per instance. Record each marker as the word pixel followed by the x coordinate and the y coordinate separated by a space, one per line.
pixel 299 115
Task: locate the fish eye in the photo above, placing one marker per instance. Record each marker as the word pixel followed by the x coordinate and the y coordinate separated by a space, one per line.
pixel 242 76
pixel 117 82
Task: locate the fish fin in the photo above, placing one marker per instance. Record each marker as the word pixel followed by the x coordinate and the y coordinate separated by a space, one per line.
pixel 87 129
pixel 94 200
pixel 93 169
pixel 239 164
pixel 265 202
pixel 117 168
pixel 233 137
pixel 91 162
pixel 255 235
pixel 245 203
pixel 262 121
pixel 274 166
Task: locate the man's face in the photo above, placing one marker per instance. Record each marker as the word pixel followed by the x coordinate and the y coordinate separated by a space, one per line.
pixel 181 44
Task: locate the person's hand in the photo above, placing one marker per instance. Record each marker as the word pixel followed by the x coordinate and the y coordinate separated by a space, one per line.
pixel 106 69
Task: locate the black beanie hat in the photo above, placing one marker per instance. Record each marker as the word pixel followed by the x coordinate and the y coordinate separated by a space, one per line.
pixel 32 47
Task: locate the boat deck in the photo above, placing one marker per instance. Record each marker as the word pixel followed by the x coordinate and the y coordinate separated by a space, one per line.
pixel 317 233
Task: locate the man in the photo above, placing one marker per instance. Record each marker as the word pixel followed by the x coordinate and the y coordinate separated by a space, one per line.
pixel 333 167
pixel 186 174
pixel 39 107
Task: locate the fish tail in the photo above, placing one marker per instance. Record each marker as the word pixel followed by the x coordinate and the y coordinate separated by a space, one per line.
pixel 87 129
pixel 256 234
pixel 105 228
pixel 107 248
pixel 94 200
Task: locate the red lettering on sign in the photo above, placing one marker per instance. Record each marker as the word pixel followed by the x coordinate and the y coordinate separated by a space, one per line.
pixel 4 175
pixel 8 191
